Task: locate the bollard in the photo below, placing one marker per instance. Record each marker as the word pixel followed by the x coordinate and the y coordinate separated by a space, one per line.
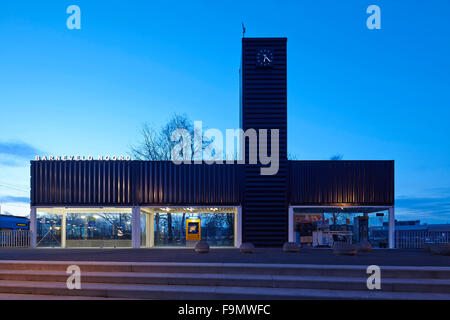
pixel 291 247
pixel 201 247
pixel 247 247
pixel 344 249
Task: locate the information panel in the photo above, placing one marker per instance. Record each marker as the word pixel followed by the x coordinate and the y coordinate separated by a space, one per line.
pixel 193 230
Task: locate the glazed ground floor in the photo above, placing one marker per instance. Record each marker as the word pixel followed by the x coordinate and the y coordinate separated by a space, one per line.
pixel 183 226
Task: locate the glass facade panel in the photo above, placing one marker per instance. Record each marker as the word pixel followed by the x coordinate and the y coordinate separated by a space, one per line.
pixel 323 227
pixel 111 227
pixel 48 229
pixel 84 227
pixel 99 229
pixel 215 228
pixel 143 229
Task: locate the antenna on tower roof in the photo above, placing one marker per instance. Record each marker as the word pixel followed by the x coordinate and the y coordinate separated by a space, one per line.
pixel 243 30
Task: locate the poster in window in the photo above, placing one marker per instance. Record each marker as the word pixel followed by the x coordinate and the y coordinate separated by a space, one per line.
pixel 193 230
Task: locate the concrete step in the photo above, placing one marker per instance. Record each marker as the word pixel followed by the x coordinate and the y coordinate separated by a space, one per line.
pixel 232 268
pixel 230 280
pixel 8 296
pixel 179 292
pixel 153 280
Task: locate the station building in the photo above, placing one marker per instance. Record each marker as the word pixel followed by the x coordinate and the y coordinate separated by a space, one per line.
pixel 145 204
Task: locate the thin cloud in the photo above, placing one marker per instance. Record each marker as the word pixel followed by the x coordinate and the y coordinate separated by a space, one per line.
pixel 18 149
pixel 436 208
pixel 13 199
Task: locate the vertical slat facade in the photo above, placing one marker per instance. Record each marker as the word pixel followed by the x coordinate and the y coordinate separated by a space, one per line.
pixel 364 183
pixel 81 183
pixel 129 183
pixel 164 183
pixel 264 106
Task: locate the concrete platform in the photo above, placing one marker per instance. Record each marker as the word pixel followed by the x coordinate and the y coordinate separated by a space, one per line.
pixel 386 257
pixel 7 296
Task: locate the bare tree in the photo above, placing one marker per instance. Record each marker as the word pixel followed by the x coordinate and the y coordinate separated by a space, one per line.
pixel 157 145
pixel 337 157
pixel 292 156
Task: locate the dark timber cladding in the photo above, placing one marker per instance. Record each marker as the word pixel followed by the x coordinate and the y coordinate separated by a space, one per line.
pixel 164 183
pixel 81 183
pixel 368 183
pixel 130 183
pixel 264 106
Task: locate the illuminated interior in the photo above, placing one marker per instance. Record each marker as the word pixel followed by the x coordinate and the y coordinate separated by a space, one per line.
pixel 84 227
pixel 323 226
pixel 112 227
pixel 167 226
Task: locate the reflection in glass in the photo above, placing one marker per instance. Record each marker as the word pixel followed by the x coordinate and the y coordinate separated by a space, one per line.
pixel 48 228
pixel 216 228
pixel 324 228
pixel 143 229
pixel 98 229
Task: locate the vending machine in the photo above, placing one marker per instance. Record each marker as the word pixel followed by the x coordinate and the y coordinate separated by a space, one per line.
pixel 193 231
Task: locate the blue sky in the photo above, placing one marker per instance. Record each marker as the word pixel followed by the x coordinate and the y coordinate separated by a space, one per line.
pixel 365 94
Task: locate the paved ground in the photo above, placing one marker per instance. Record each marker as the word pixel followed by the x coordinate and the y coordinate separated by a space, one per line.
pixel 384 257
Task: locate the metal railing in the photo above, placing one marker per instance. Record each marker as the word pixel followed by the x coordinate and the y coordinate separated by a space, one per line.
pixel 15 239
pixel 417 239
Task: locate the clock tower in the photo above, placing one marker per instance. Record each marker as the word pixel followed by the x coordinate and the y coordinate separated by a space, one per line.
pixel 263 105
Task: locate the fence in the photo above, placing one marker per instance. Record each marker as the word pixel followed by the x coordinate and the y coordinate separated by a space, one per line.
pixel 417 239
pixel 15 238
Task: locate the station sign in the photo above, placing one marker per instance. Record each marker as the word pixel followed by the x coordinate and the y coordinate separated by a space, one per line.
pixel 82 158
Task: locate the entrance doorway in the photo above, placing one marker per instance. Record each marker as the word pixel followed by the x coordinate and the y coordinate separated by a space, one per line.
pixel 185 226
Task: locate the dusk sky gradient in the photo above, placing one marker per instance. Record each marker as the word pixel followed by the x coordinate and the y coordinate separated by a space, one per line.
pixel 366 94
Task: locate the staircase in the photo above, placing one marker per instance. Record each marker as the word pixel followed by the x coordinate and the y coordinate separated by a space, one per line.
pixel 191 281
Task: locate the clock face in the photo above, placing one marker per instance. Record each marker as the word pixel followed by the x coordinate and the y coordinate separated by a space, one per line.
pixel 264 58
